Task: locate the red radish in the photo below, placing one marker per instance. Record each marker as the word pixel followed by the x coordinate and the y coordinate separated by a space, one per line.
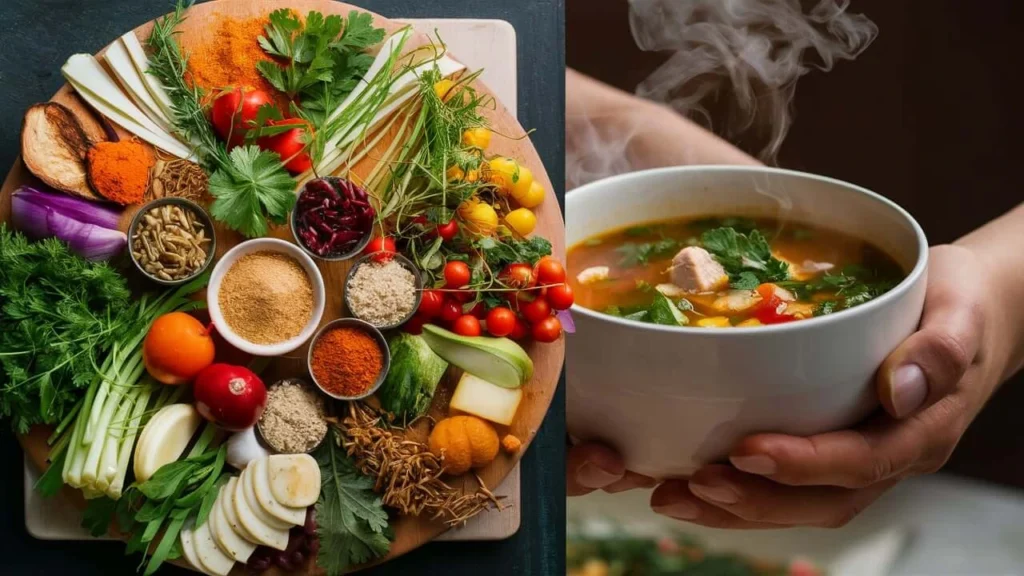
pixel 230 396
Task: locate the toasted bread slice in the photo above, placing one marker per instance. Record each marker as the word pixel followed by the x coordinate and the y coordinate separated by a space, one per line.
pixel 87 119
pixel 54 147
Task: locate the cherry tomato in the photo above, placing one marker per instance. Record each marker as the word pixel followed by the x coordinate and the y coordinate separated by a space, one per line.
pixel 450 311
pixel 479 310
pixel 415 324
pixel 466 325
pixel 430 303
pixel 449 230
pixel 501 321
pixel 520 330
pixel 549 271
pixel 547 330
pixel 536 311
pixel 767 311
pixel 560 297
pixel 290 145
pixel 456 274
pixel 232 112
pixel 382 247
pixel 518 275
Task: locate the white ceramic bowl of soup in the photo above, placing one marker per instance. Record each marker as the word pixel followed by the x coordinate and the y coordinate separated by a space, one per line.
pixel 671 399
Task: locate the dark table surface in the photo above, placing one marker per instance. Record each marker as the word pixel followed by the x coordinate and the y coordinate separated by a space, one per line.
pixel 40 34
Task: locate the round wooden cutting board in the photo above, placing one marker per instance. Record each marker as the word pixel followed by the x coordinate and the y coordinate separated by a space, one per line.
pixel 410 532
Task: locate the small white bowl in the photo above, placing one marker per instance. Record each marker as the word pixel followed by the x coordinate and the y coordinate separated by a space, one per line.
pixel 265 245
pixel 672 399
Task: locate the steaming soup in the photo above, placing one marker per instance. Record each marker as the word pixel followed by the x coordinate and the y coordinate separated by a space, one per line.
pixel 726 271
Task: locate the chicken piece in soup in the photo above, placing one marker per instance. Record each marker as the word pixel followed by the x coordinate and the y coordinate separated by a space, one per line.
pixel 725 272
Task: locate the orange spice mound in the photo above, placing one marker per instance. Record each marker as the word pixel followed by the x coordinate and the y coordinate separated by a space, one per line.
pixel 229 58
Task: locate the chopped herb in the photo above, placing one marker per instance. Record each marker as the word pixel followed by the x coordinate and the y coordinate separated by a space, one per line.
pixel 746 257
pixel 664 311
pixel 634 254
pixel 499 252
pixel 853 285
pixel 684 305
pixel 825 308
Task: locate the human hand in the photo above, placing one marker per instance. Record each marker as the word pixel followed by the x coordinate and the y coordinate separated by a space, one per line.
pixel 591 466
pixel 932 386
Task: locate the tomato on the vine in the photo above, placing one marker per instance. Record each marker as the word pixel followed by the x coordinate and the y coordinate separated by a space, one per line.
pixel 560 297
pixel 518 275
pixel 501 321
pixel 450 311
pixel 382 248
pixel 520 330
pixel 479 310
pixel 233 111
pixel 549 271
pixel 290 145
pixel 536 311
pixel 449 230
pixel 430 303
pixel 456 274
pixel 547 330
pixel 466 325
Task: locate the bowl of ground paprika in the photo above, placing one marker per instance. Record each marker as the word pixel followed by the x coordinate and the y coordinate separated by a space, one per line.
pixel 349 359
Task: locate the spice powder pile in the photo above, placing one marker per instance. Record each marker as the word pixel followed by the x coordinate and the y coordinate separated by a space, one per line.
pixel 294 420
pixel 346 361
pixel 229 58
pixel 383 294
pixel 119 171
pixel 266 297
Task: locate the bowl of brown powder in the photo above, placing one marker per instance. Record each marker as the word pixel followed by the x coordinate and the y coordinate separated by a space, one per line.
pixel 385 294
pixel 266 297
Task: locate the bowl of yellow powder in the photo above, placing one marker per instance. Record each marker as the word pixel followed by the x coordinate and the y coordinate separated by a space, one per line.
pixel 266 297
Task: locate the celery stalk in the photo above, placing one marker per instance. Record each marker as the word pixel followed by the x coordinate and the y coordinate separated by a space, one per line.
pixel 128 441
pixel 110 456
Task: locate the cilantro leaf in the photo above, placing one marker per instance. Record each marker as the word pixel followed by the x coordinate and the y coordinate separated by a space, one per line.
pixel 351 522
pixel 634 254
pixel 747 258
pixel 254 188
pixel 664 311
pixel 500 252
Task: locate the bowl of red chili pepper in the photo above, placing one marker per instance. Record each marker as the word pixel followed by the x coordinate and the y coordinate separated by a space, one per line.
pixel 348 359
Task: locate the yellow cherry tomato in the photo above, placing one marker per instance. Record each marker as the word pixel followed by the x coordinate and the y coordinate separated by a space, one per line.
pixel 510 177
pixel 477 138
pixel 455 173
pixel 522 220
pixel 533 197
pixel 472 176
pixel 443 89
pixel 479 217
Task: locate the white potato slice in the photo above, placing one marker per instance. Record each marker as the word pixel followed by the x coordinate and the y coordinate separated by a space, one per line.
pixel 263 534
pixel 294 479
pixel 230 541
pixel 249 486
pixel 211 557
pixel 261 485
pixel 227 502
pixel 188 547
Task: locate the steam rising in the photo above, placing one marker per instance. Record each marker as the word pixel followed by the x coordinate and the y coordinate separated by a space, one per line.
pixel 733 67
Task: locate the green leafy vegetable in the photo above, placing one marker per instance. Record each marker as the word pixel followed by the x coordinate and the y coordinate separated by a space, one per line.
pixel 500 252
pixel 638 254
pixel 747 258
pixel 664 311
pixel 252 188
pixel 415 372
pixel 325 57
pixel 59 317
pixel 853 285
pixel 351 522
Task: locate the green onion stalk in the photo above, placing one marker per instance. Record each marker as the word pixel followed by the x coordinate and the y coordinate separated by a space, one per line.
pixel 94 443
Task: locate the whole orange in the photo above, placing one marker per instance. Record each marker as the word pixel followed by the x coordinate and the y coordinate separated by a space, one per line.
pixel 177 348
pixel 465 442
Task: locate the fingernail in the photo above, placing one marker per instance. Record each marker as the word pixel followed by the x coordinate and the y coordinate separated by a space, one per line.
pixel 590 475
pixel 909 389
pixel 758 464
pixel 679 510
pixel 720 493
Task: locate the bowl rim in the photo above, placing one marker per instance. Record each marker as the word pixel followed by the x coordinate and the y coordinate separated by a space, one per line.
pixel 195 207
pixel 905 285
pixel 374 332
pixel 279 348
pixel 418 287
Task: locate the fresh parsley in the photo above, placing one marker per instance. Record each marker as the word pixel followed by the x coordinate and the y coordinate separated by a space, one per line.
pixel 639 254
pixel 352 524
pixel 747 258
pixel 500 252
pixel 254 187
pixel 853 285
pixel 59 316
pixel 324 57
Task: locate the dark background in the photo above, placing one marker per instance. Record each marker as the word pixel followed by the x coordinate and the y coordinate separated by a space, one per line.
pixel 38 35
pixel 928 116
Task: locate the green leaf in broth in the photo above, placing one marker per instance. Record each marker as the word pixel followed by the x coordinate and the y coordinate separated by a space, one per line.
pixel 684 305
pixel 638 254
pixel 664 311
pixel 640 316
pixel 825 308
pixel 745 281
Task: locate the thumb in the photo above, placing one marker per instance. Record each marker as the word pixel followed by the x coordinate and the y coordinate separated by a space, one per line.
pixel 929 364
